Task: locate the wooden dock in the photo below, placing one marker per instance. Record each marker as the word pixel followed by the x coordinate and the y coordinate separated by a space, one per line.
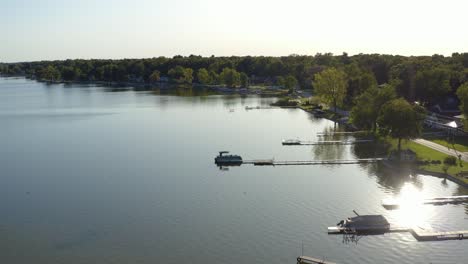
pixel 418 233
pixel 311 260
pixel 340 133
pixel 272 162
pixel 329 142
pixel 258 107
pixel 391 203
pixel 335 230
pixel 428 235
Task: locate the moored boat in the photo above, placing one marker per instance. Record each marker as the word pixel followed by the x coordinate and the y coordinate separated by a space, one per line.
pixel 223 159
pixel 291 142
pixel 362 224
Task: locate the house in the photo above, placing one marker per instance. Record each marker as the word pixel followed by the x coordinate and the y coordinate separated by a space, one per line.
pixel 450 125
pixel 448 106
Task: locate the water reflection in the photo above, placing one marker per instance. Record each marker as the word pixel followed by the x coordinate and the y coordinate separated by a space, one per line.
pixel 411 212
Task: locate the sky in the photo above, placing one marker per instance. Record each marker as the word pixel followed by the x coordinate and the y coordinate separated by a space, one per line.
pixel 32 30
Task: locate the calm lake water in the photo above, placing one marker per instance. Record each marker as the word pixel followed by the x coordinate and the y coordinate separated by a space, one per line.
pixel 115 175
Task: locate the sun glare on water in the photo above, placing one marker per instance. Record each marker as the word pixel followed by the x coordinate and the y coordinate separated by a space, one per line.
pixel 412 212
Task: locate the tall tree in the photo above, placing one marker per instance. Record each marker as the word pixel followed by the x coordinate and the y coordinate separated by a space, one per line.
pixel 432 83
pixel 330 86
pixel 155 76
pixel 230 77
pixel 400 120
pixel 366 110
pixel 49 73
pixel 244 80
pixel 203 76
pixel 290 83
pixel 462 93
pixel 181 74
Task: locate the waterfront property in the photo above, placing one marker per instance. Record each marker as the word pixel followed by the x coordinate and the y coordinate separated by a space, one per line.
pixel 113 175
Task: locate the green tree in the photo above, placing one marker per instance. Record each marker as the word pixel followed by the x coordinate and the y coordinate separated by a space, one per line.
pixel 432 83
pixel 214 77
pixel 462 93
pixel 400 120
pixel 188 75
pixel 155 76
pixel 49 73
pixel 230 77
pixel 280 81
pixel 366 110
pixel 244 80
pixel 181 74
pixel 290 83
pixel 448 162
pixel 203 76
pixel 69 73
pixel 330 86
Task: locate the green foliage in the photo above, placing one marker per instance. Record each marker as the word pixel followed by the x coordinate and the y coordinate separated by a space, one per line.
pixel 244 80
pixel 290 83
pixel 424 78
pixel 181 74
pixel 359 80
pixel 230 77
pixel 49 73
pixel 462 93
pixel 400 120
pixel 432 83
pixel 330 85
pixel 450 161
pixel 214 77
pixel 203 76
pixel 69 73
pixel 155 76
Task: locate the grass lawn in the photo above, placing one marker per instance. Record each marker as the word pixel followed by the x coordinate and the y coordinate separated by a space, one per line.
pixel 425 153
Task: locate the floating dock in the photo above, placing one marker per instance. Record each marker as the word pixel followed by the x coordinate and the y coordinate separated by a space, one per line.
pixel 309 162
pixel 340 133
pixel 325 142
pixel 336 230
pixel 391 203
pixel 428 235
pixel 418 233
pixel 311 260
pixel 258 107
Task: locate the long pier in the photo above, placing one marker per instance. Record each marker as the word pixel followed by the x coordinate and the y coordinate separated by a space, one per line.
pixel 325 142
pixel 336 230
pixel 391 203
pixel 311 260
pixel 340 133
pixel 418 233
pixel 429 235
pixel 272 162
pixel 258 107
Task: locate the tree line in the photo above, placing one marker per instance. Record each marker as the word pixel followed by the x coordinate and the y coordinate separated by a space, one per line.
pixel 420 78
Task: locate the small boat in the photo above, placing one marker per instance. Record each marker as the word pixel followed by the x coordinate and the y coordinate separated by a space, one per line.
pixel 291 142
pixel 223 159
pixel 362 224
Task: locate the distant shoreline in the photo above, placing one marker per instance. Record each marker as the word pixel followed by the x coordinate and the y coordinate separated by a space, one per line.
pixel 221 89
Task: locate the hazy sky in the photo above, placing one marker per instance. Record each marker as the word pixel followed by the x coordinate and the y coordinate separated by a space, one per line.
pixel 60 29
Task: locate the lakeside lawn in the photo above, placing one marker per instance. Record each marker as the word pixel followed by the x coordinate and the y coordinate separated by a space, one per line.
pixel 424 153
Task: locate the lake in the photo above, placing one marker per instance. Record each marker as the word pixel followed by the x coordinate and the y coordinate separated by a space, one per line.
pixel 95 174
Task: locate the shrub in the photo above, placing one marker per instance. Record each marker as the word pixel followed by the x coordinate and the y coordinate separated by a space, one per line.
pixel 450 160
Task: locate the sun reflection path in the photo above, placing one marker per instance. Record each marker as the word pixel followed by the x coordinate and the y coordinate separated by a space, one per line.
pixel 412 212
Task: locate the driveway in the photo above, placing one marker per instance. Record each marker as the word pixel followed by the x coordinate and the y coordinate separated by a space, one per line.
pixel 440 148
